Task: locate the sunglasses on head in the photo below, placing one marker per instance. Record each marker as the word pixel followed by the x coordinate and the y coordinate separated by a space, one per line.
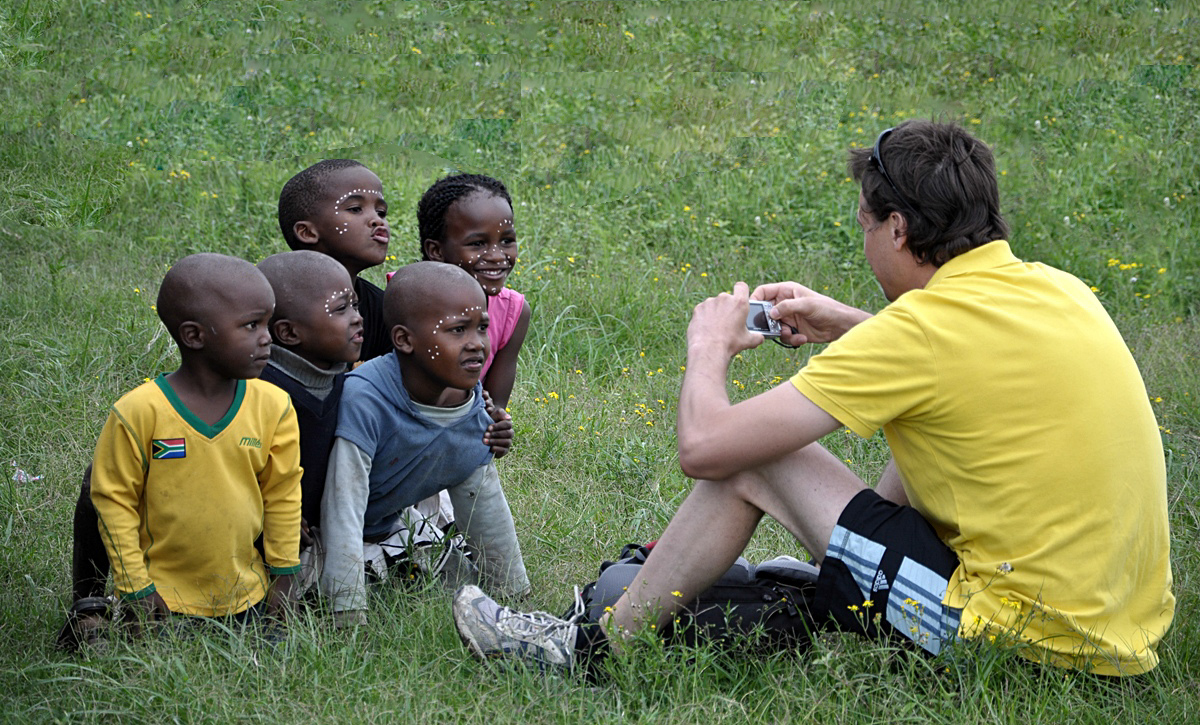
pixel 877 160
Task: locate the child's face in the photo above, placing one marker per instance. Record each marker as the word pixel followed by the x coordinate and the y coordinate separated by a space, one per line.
pixel 350 224
pixel 237 343
pixel 480 238
pixel 329 327
pixel 448 343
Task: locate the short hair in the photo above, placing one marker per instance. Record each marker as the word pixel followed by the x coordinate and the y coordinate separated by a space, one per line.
pixel 414 288
pixel 947 179
pixel 437 200
pixel 300 195
pixel 194 284
pixel 294 276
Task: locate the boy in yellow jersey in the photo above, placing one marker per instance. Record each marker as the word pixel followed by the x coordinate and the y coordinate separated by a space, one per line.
pixel 193 466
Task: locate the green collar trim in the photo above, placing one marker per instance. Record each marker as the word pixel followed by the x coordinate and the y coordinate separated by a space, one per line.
pixel 204 429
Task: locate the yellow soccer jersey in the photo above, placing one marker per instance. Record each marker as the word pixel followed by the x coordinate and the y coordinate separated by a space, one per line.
pixel 181 502
pixel 1024 434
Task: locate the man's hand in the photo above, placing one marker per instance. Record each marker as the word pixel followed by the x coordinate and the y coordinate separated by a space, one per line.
pixel 812 316
pixel 141 612
pixel 499 434
pixel 279 597
pixel 718 325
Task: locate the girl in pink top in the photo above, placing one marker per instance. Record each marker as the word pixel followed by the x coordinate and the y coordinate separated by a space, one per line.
pixel 467 219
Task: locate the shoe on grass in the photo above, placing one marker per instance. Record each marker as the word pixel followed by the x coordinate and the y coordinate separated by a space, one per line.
pixel 492 631
pixel 86 620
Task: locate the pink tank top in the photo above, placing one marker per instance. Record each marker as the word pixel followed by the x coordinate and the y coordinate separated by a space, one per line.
pixel 503 312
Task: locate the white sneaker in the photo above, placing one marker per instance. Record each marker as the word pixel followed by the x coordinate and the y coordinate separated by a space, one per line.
pixel 490 631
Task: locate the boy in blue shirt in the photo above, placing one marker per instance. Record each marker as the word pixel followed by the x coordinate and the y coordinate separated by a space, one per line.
pixel 316 334
pixel 411 425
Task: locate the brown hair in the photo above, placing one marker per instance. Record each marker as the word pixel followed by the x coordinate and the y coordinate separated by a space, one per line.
pixel 946 179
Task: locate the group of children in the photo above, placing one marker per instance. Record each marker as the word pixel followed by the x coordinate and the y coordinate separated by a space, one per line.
pixel 271 466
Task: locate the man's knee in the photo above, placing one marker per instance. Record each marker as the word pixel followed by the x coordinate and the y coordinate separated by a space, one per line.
pixel 745 487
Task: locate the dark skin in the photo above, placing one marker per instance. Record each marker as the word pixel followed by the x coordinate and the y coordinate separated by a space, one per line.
pixel 499 434
pixel 206 392
pixel 222 347
pixel 480 239
pixel 217 350
pixel 152 608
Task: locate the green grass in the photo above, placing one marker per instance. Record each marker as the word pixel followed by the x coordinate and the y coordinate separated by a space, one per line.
pixel 656 154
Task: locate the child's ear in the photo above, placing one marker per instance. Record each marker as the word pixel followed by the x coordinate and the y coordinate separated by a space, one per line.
pixel 402 339
pixel 284 332
pixel 432 249
pixel 306 232
pixel 191 335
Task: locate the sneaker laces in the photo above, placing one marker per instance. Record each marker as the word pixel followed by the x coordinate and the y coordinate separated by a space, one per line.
pixel 538 624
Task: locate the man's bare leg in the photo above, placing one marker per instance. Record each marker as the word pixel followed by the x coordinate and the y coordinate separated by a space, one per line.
pixel 804 491
pixel 891 485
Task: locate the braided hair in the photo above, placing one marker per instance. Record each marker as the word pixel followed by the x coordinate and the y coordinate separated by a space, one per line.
pixel 299 197
pixel 437 200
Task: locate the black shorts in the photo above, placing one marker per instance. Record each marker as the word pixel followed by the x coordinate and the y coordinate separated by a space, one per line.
pixel 885 574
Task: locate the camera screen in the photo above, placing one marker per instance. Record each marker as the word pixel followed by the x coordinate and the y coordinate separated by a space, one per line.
pixel 758 319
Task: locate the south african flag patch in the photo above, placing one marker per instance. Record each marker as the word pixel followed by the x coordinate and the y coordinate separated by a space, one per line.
pixel 165 448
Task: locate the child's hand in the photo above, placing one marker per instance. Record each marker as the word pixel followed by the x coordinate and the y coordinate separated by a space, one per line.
pixel 279 597
pixel 499 434
pixel 306 539
pixel 143 611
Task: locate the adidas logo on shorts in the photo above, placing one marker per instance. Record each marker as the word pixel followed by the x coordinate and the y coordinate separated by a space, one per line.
pixel 881 582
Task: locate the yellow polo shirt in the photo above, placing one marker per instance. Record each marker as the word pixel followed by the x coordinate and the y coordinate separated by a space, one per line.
pixel 180 502
pixel 1023 431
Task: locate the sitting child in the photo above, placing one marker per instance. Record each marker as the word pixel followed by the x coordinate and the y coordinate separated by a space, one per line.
pixel 195 465
pixel 316 333
pixel 336 207
pixel 411 425
pixel 467 220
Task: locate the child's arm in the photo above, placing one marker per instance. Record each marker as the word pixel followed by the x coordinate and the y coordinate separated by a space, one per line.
pixel 279 597
pixel 279 482
pixel 503 373
pixel 118 482
pixel 343 507
pixel 499 434
pixel 482 512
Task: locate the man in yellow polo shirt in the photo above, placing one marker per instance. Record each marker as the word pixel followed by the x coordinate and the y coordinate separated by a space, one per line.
pixel 1026 497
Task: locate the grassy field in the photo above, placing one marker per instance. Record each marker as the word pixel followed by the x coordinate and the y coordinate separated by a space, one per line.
pixel 657 153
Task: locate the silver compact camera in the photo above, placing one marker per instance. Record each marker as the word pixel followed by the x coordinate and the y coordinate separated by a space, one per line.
pixel 757 319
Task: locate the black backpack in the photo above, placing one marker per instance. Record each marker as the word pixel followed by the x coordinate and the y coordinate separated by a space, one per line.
pixel 767 605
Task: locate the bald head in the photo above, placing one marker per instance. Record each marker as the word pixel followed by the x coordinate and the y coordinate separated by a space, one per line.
pixel 421 288
pixel 200 284
pixel 298 278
